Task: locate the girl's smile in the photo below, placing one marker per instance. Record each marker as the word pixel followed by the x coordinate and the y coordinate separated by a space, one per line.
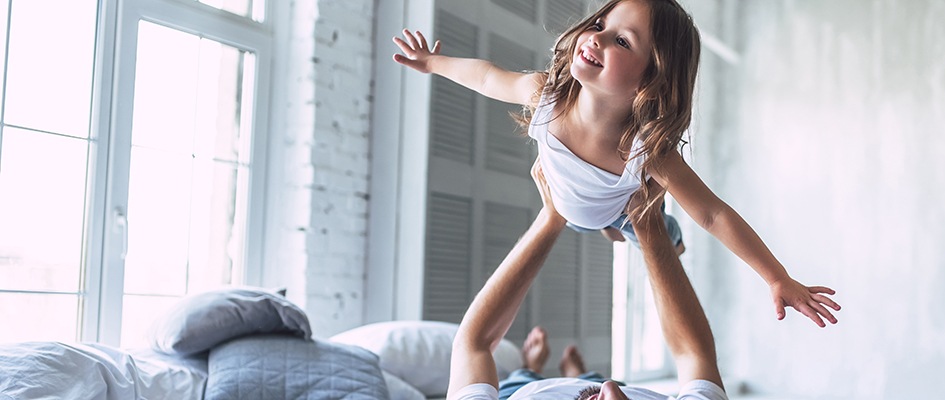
pixel 588 56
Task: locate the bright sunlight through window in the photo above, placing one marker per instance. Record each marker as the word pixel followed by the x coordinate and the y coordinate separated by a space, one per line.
pixel 105 223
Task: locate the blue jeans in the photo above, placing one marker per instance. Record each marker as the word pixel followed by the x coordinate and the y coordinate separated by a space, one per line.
pixel 522 377
pixel 672 228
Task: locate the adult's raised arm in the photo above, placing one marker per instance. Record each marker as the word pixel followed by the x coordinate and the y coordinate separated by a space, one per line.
pixel 685 326
pixel 493 310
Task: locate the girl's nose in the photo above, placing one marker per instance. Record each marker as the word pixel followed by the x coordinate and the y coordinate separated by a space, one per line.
pixel 594 39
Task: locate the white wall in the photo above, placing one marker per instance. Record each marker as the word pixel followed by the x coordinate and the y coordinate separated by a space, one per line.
pixel 828 137
pixel 318 195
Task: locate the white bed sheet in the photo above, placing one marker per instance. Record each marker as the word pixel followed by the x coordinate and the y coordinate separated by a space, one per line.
pixel 33 370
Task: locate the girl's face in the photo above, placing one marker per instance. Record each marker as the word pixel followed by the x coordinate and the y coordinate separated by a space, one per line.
pixel 612 55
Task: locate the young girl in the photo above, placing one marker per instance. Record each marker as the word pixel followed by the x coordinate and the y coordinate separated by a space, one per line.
pixel 608 114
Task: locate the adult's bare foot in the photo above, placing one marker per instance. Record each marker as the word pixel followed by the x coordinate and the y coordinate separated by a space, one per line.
pixel 535 350
pixel 613 234
pixel 572 364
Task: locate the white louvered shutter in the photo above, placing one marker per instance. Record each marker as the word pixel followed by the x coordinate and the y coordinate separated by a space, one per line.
pixel 507 148
pixel 559 286
pixel 446 278
pixel 598 272
pixel 453 119
pixel 526 9
pixel 560 14
pixel 597 287
pixel 503 227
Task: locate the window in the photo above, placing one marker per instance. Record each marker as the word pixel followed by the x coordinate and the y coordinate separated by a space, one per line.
pixel 130 148
pixel 639 350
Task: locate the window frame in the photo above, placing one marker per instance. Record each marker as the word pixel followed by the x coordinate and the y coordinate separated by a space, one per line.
pixel 100 287
pixel 207 22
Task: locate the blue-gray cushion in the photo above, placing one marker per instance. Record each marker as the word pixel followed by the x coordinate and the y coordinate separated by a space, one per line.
pixel 285 367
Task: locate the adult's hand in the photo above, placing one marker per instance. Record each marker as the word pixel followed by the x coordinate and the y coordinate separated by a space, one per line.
pixel 544 190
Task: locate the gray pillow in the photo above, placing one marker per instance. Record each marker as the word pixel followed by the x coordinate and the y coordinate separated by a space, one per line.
pixel 201 321
pixel 285 367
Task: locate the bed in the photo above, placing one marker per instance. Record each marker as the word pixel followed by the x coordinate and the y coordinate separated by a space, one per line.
pixel 243 343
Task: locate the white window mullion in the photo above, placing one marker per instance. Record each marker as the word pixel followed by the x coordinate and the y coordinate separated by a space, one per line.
pixel 258 106
pixel 205 21
pixel 97 211
pixel 116 223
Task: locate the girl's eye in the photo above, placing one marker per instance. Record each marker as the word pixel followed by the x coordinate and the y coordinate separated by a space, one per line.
pixel 623 43
pixel 598 26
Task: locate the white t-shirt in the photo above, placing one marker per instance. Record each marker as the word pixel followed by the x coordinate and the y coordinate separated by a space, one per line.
pixel 585 195
pixel 567 388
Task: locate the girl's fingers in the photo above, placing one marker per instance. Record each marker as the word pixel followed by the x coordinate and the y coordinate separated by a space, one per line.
pixel 809 312
pixel 436 48
pixel 423 40
pixel 823 311
pixel 826 300
pixel 821 289
pixel 404 47
pixel 412 40
pixel 401 59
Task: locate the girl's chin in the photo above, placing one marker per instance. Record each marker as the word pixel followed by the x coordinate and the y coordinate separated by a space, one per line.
pixel 580 73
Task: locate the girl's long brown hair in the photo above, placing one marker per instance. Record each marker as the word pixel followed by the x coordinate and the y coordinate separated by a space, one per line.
pixel 662 109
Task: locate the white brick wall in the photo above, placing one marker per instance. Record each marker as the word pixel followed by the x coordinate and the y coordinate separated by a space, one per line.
pixel 337 241
pixel 323 191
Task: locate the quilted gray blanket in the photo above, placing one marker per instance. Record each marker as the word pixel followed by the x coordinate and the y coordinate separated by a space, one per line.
pixel 287 367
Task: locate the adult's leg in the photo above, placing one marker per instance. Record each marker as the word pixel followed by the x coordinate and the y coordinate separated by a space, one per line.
pixel 572 366
pixel 535 351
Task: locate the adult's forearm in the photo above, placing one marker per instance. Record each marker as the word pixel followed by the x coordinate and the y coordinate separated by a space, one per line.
pixel 493 310
pixel 683 321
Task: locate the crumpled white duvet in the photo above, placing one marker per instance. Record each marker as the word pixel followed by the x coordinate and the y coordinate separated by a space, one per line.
pixel 55 370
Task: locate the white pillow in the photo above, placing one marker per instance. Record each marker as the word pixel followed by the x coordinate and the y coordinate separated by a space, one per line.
pixel 400 390
pixel 419 351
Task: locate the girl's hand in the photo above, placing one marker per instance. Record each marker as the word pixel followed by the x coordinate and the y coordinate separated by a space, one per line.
pixel 417 54
pixel 809 301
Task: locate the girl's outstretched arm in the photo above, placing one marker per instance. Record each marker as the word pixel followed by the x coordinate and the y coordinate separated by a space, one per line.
pixel 719 219
pixel 479 75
